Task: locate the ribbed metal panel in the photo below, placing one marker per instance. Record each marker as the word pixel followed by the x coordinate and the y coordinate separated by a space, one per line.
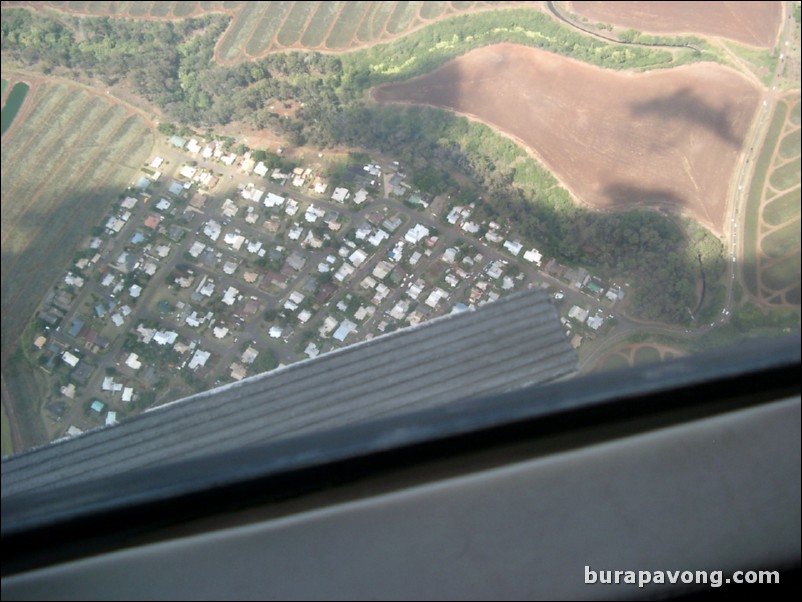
pixel 514 342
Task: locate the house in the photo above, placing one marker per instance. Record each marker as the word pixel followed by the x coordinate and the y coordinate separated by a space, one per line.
pixel 156 163
pixel 152 222
pixel 230 296
pixel 128 394
pixel 346 327
pixel 249 355
pixel 392 223
pixel 212 229
pixel 97 406
pixel 533 256
pixel 199 359
pixel 296 261
pixel 578 314
pixel 344 272
pixel 378 237
pixel 238 371
pixel 595 322
pixel 260 169
pixel 188 171
pixel 133 361
pixel 178 141
pixel 361 196
pixel 70 359
pixel 274 200
pixel 513 246
pixel 340 194
pixel 435 297
pixel 358 257
pixel 416 234
pixel 193 146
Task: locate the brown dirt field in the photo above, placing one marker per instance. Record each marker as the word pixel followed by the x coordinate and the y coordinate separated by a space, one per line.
pixel 616 140
pixel 754 23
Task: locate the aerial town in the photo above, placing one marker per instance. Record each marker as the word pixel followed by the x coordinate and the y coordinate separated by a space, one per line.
pixel 214 267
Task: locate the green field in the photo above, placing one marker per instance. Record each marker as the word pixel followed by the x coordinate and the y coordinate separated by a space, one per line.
pixel 795 113
pixel 92 150
pixel 432 10
pixel 756 187
pixel 783 273
pixel 789 147
pixel 8 447
pixel 319 25
pixel 782 208
pixel 295 23
pixel 402 17
pixel 4 86
pixel 268 26
pixel 788 175
pixel 646 355
pixel 782 241
pixel 13 104
pixel 347 23
pixel 614 361
pixel 160 9
pixel 182 9
pixel 240 31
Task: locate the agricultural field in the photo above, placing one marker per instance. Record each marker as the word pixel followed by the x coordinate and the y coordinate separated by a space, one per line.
pixel 634 354
pixel 772 230
pixel 666 138
pixel 258 28
pixel 66 158
pixel 753 23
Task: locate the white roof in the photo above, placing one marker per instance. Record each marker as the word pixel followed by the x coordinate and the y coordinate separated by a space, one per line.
pixel 199 359
pixel 273 200
pixel 513 246
pixel 340 194
pixel 133 361
pixel 128 393
pixel 416 234
pixel 533 256
pixel 230 295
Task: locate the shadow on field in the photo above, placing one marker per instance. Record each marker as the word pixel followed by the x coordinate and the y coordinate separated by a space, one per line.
pixel 685 105
pixel 621 194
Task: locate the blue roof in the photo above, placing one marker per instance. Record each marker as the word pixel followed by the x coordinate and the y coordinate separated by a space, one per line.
pixel 142 183
pixel 98 406
pixel 176 188
pixel 75 327
pixel 137 238
pixel 177 141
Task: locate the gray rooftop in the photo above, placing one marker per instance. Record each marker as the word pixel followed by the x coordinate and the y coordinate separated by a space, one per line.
pixel 514 342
